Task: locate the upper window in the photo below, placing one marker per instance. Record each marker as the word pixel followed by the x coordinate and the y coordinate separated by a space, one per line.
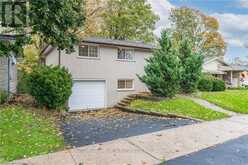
pixel 125 54
pixel 88 51
pixel 125 84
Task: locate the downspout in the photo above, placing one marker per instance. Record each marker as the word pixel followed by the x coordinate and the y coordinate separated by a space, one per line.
pixel 232 78
pixel 8 76
pixel 59 58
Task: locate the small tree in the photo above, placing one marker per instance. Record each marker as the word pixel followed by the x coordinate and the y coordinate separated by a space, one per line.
pixel 162 73
pixel 191 64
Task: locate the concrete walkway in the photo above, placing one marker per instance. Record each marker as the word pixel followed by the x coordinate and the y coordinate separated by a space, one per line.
pixel 150 148
pixel 209 105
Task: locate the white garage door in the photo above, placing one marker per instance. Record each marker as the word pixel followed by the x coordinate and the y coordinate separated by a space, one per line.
pixel 87 95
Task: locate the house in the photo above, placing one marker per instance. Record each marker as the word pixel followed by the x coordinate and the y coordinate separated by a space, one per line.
pixel 104 71
pixel 8 74
pixel 229 73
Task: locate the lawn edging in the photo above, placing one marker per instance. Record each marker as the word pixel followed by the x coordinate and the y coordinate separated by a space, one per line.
pixel 168 115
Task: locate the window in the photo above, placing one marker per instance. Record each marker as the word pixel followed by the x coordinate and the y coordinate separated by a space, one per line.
pixel 125 84
pixel 88 51
pixel 125 54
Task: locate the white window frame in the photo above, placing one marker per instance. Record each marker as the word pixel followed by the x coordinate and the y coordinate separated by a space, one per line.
pixel 125 89
pixel 125 48
pixel 89 57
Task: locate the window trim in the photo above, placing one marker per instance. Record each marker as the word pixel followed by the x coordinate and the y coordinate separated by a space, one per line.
pixel 128 60
pixel 88 57
pixel 125 89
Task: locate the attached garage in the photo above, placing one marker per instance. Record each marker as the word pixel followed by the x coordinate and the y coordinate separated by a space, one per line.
pixel 87 95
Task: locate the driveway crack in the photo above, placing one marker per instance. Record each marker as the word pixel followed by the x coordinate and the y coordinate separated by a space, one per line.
pixel 73 158
pixel 143 150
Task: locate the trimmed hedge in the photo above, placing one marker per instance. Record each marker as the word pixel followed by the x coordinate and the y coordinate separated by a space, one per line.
pixel 210 83
pixel 218 85
pixel 205 84
pixel 50 86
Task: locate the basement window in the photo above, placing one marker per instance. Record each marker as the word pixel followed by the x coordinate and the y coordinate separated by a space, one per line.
pixel 125 84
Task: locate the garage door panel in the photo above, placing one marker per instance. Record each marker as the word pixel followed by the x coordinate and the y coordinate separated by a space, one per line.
pixel 87 95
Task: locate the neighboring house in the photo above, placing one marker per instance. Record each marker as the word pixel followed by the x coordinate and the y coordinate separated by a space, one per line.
pixel 8 74
pixel 218 68
pixel 104 71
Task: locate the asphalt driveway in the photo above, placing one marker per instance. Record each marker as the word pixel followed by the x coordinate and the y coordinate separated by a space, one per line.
pixel 234 152
pixel 102 126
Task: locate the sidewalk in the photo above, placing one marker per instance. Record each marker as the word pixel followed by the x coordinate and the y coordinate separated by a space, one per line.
pixel 209 105
pixel 149 148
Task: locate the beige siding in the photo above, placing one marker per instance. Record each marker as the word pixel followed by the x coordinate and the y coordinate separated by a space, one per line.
pixel 4 75
pixel 211 66
pixel 13 78
pixel 107 68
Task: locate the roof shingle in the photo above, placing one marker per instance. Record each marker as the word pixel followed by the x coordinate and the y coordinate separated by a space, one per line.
pixel 136 44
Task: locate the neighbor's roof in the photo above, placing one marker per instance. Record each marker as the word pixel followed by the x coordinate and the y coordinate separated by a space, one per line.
pixel 210 59
pixel 125 43
pixel 225 68
pixel 214 72
pixel 239 68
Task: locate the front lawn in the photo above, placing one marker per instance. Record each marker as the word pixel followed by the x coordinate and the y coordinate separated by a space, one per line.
pixel 234 100
pixel 178 106
pixel 24 133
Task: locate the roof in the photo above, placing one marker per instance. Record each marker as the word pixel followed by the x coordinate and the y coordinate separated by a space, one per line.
pixel 224 66
pixel 125 43
pixel 210 59
pixel 239 68
pixel 214 72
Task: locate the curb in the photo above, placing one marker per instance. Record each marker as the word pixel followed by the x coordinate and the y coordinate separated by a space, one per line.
pixel 168 115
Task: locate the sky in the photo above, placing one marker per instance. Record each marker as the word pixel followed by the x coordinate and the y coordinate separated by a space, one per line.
pixel 231 14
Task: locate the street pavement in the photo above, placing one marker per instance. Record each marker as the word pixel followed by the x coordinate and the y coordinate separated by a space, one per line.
pixel 234 152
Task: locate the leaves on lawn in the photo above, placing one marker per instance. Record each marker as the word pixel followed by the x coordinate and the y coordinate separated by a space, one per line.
pixel 24 134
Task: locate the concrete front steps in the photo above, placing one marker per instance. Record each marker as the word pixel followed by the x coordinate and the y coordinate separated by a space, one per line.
pixel 126 101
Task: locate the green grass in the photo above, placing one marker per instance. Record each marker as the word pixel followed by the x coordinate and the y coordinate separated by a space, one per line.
pixel 233 100
pixel 178 106
pixel 24 134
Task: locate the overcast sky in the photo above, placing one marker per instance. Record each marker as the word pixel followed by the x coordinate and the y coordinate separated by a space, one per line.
pixel 231 14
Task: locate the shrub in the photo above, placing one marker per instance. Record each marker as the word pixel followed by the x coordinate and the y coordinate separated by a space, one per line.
pixel 162 73
pixel 205 83
pixel 218 85
pixel 191 66
pixel 50 86
pixel 3 96
pixel 22 85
